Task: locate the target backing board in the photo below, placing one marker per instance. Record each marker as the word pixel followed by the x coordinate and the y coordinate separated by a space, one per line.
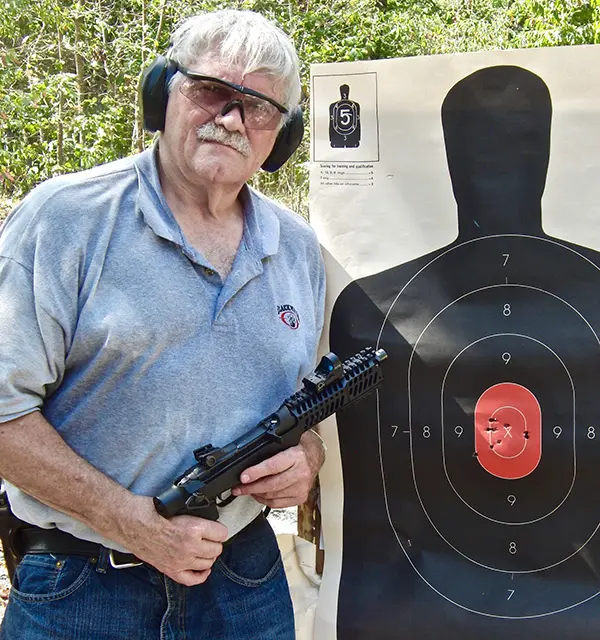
pixel 461 500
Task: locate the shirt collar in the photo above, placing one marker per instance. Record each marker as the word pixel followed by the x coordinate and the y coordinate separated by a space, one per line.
pixel 261 223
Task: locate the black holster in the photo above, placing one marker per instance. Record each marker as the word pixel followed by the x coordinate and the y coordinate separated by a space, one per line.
pixel 9 528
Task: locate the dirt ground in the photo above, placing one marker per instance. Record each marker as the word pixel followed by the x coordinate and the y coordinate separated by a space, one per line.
pixel 282 521
pixel 5 207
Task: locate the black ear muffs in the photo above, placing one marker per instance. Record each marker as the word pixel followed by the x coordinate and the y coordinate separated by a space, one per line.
pixel 288 140
pixel 154 93
pixel 154 90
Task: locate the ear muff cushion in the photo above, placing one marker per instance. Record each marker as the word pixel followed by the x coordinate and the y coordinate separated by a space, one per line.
pixel 288 140
pixel 154 82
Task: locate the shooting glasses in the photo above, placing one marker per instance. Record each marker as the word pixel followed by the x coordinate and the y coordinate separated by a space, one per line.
pixel 216 96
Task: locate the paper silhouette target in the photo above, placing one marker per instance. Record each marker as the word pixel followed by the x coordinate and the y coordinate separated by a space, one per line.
pixel 344 121
pixel 475 470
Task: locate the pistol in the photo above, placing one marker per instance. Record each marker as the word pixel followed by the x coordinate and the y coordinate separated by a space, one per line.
pixel 331 387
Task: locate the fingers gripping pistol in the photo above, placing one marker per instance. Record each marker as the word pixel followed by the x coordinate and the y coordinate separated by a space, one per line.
pixel 332 386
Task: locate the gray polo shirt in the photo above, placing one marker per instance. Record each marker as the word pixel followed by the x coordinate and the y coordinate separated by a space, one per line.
pixel 128 342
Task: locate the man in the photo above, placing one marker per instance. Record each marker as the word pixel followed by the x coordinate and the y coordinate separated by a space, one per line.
pixel 144 311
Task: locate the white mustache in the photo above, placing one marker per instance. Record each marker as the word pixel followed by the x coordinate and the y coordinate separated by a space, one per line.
pixel 211 132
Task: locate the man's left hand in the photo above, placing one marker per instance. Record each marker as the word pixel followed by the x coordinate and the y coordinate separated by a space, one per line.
pixel 285 479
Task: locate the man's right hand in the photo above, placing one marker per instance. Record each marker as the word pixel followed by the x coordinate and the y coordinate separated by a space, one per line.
pixel 184 548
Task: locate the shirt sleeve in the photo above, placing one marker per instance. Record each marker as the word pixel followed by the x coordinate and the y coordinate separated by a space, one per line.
pixel 38 308
pixel 32 348
pixel 320 296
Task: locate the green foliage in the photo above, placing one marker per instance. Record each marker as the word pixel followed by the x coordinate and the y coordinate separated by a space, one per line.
pixel 69 70
pixel 558 22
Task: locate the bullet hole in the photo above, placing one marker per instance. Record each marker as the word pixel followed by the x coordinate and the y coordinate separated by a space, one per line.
pixel 491 426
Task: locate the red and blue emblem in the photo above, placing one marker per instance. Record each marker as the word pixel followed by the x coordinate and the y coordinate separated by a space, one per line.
pixel 289 316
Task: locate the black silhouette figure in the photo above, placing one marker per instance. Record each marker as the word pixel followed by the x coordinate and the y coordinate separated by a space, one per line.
pixel 436 546
pixel 344 121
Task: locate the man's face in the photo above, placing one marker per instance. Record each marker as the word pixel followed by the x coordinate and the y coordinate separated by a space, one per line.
pixel 183 144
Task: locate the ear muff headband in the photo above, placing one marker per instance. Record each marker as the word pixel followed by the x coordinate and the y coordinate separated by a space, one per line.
pixel 154 94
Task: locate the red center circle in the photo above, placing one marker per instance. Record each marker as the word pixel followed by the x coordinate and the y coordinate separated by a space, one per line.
pixel 508 431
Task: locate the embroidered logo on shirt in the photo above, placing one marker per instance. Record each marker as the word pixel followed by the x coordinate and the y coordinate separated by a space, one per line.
pixel 288 315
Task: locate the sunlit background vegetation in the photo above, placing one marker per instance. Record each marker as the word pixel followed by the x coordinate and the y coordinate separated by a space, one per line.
pixel 69 70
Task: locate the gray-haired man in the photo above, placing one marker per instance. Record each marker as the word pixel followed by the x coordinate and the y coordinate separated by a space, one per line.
pixel 140 317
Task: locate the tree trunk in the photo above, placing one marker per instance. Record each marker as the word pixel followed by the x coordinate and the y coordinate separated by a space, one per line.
pixel 79 72
pixel 60 157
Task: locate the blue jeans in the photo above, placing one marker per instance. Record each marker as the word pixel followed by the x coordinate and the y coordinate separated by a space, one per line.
pixel 69 597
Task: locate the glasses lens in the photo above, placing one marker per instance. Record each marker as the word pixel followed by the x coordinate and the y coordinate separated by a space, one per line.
pixel 212 97
pixel 208 95
pixel 260 114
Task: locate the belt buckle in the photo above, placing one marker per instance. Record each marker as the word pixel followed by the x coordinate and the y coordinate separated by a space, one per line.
pixel 125 565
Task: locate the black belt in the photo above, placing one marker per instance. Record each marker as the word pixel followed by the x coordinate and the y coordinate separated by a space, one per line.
pixel 37 540
pixel 32 539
